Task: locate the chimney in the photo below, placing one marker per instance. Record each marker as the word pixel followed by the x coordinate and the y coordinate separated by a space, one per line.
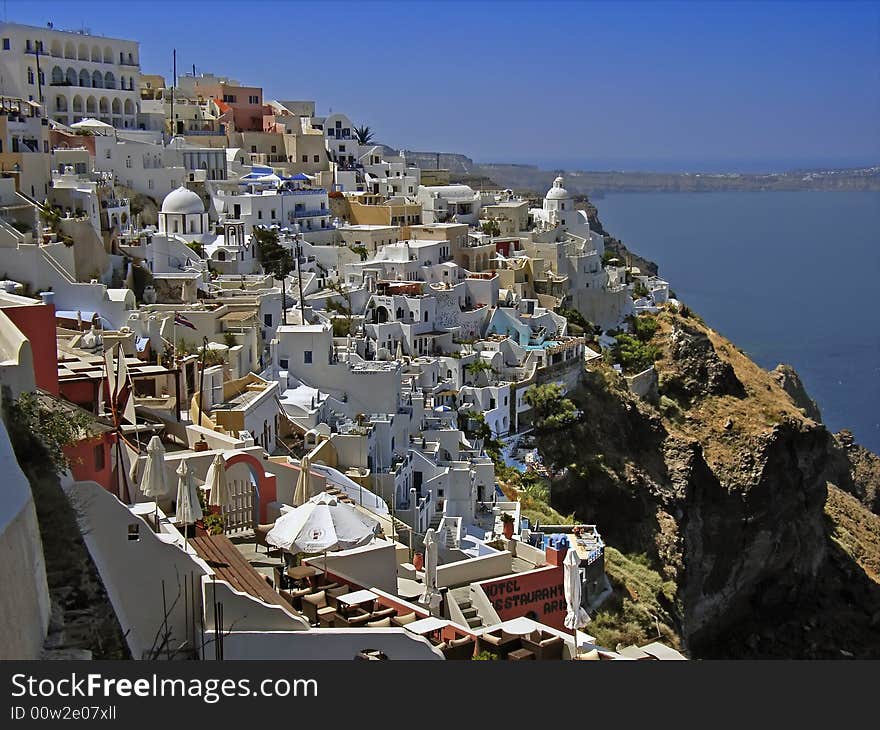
pixel 48 297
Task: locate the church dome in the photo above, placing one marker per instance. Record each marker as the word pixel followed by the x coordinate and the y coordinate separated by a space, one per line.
pixel 557 192
pixel 183 201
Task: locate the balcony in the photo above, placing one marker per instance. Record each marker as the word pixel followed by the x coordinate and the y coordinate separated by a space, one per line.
pixel 314 213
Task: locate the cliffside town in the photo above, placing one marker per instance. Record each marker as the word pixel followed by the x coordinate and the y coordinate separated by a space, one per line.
pixel 277 367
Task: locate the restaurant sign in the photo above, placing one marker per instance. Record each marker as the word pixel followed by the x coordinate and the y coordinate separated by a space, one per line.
pixel 538 594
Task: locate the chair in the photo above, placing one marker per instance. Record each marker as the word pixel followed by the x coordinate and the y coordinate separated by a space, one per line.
pixel 352 620
pixel 384 613
pixel 334 593
pixel 499 643
pixel 296 596
pixel 459 648
pixel 260 534
pixel 382 623
pixel 547 647
pixel 403 619
pixel 311 603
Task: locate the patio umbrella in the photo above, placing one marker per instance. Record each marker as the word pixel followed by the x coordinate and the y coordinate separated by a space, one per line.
pixel 189 510
pixel 398 355
pixel 430 566
pixel 303 487
pixel 216 480
pixel 321 524
pixel 575 616
pixel 154 482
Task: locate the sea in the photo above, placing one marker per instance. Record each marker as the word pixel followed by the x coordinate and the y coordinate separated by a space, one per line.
pixel 789 277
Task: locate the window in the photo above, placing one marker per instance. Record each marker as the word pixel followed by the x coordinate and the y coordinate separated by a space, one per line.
pixel 150 184
pixel 274 148
pixel 254 148
pixel 305 158
pixel 267 319
pixel 30 75
pixel 229 98
pixel 134 531
pixel 6 44
pixel 128 161
pixel 283 363
pixel 307 357
pixel 317 158
pixel 342 148
pixel 260 214
pixel 99 457
pixel 253 99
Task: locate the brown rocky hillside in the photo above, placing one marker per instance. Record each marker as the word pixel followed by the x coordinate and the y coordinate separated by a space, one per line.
pixel 731 491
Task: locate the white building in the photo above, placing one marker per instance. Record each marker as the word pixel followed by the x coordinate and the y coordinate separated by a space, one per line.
pixel 79 75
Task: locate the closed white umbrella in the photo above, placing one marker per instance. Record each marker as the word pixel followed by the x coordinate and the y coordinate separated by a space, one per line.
pixel 575 616
pixel 154 483
pixel 216 480
pixel 430 566
pixel 398 355
pixel 189 510
pixel 322 523
pixel 303 484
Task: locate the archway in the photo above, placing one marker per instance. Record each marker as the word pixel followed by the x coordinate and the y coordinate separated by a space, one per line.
pixel 264 485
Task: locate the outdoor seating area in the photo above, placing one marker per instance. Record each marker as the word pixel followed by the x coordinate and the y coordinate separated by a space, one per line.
pixel 537 645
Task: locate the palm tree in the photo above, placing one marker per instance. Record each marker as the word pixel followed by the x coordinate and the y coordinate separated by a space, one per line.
pixel 364 135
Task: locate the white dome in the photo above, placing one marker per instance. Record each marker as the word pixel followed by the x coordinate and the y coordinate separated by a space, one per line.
pixel 557 192
pixel 183 201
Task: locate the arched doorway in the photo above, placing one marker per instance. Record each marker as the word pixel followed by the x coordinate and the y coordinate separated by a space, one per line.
pixel 251 489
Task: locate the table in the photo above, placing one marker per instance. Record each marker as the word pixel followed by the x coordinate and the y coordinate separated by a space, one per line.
pixel 519 655
pixel 298 572
pixel 426 625
pixel 356 598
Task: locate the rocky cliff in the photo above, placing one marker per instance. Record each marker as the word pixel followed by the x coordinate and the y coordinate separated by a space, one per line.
pixel 746 508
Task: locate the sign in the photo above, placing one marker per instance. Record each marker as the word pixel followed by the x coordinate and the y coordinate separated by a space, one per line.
pixel 537 594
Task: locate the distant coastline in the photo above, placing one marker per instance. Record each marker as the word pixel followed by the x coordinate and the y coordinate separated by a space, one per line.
pixel 531 178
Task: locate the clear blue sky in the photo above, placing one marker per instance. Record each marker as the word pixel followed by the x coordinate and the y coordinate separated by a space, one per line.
pixel 734 85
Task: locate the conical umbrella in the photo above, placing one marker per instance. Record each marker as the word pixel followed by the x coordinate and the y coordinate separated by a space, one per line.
pixel 575 616
pixel 216 480
pixel 321 524
pixel 303 484
pixel 399 354
pixel 189 510
pixel 430 566
pixel 154 483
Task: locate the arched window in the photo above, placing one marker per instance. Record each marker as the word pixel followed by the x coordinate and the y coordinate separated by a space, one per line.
pixel 69 51
pixel 77 104
pixel 221 255
pixel 103 105
pixel 97 80
pixel 83 54
pixel 96 54
pixel 116 107
pixel 84 78
pixel 109 80
pixel 57 51
pixel 57 75
pixel 91 105
pixel 108 54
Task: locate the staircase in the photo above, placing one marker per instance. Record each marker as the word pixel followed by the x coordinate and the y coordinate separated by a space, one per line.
pixel 462 597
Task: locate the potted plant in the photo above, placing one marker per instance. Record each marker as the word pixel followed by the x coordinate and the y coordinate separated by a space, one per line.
pixel 507 525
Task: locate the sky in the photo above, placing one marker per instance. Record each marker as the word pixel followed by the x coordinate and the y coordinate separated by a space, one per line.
pixel 687 86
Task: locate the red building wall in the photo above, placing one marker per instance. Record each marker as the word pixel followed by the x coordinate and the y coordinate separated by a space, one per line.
pixel 540 591
pixel 37 323
pixel 87 465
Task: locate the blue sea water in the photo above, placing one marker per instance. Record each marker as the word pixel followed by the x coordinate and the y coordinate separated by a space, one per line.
pixel 788 276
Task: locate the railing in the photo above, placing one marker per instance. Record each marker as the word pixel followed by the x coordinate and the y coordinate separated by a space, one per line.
pixel 312 213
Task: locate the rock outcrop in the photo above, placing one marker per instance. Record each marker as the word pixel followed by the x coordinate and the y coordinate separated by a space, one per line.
pixel 724 487
pixel 790 382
